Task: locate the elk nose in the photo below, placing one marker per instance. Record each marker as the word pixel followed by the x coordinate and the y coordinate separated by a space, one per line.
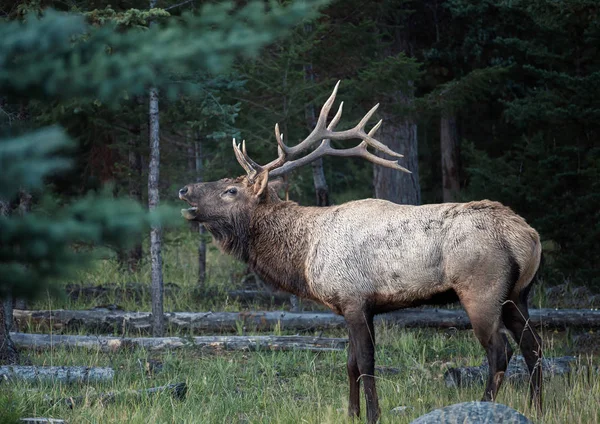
pixel 183 191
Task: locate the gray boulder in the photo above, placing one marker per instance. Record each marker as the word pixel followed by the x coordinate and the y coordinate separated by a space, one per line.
pixel 473 413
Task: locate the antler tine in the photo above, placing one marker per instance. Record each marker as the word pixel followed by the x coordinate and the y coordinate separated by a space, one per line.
pixel 336 118
pixel 241 158
pixel 320 131
pixel 326 108
pixel 279 138
pixel 324 134
pixel 326 150
pixel 255 165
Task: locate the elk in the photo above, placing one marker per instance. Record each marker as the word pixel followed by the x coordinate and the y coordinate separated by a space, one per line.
pixel 370 256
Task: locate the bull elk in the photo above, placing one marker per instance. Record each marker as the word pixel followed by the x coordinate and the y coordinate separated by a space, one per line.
pixel 370 256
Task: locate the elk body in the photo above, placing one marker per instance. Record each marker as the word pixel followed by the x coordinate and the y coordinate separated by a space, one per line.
pixel 371 256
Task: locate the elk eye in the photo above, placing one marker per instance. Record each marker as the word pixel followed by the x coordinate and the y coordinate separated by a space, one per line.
pixel 231 190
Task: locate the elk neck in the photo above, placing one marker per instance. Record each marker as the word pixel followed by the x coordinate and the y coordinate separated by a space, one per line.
pixel 280 235
pixel 232 236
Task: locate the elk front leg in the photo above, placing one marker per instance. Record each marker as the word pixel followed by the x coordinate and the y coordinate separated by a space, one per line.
pixel 354 380
pixel 362 334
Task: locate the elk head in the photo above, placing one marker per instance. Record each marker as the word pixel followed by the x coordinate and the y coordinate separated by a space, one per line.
pixel 226 201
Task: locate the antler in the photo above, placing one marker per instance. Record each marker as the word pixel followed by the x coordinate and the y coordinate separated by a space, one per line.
pixel 325 134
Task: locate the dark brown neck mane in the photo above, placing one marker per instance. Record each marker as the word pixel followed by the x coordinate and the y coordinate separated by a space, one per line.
pixel 279 240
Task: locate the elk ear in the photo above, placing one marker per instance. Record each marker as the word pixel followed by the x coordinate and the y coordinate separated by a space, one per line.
pixel 260 183
pixel 277 184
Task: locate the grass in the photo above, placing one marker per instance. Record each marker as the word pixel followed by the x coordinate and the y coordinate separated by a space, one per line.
pixel 292 387
pixel 274 387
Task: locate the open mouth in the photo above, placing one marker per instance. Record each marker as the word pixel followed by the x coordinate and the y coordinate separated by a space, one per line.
pixel 189 213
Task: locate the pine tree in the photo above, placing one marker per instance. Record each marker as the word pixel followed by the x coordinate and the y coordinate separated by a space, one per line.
pixel 72 61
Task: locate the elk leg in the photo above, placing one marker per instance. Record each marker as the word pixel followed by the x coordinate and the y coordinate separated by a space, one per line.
pixel 499 353
pixel 354 380
pixel 486 323
pixel 362 334
pixel 516 318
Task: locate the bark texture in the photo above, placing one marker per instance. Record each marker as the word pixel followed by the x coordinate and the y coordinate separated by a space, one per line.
pixel 399 133
pixel 118 321
pixel 158 327
pixel 449 148
pixel 8 351
pixel 113 344
pixel 56 374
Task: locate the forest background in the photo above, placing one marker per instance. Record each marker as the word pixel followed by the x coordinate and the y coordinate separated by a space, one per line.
pixel 486 99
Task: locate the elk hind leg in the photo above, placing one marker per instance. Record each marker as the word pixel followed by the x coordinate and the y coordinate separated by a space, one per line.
pixel 515 315
pixel 487 325
pixel 354 381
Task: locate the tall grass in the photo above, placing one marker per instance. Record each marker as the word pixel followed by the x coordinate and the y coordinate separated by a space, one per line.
pixel 294 387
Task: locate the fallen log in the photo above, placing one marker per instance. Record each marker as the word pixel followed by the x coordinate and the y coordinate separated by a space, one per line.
pixel 40 420
pixel 245 343
pixel 263 297
pixel 55 374
pixel 107 321
pixel 177 391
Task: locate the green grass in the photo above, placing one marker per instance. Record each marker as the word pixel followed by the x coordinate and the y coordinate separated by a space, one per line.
pixel 292 387
pixel 273 387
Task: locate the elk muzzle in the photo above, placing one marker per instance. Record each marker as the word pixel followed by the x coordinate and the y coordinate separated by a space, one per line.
pixel 189 213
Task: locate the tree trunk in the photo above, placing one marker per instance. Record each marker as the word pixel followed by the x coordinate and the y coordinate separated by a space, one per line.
pixel 399 134
pixel 450 158
pixel 133 256
pixel 158 328
pixel 63 375
pixel 199 167
pixel 130 259
pixel 321 189
pixel 100 321
pixel 8 352
pixel 113 344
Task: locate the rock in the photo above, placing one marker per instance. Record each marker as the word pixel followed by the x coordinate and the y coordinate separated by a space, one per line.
pixel 517 371
pixel 473 413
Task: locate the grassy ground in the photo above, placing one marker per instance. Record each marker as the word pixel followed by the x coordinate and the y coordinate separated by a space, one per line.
pixel 276 387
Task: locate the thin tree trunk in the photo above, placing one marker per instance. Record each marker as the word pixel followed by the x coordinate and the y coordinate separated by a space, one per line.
pixel 158 328
pixel 201 230
pixel 133 257
pixel 8 352
pixel 321 189
pixel 450 158
pixel 399 133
